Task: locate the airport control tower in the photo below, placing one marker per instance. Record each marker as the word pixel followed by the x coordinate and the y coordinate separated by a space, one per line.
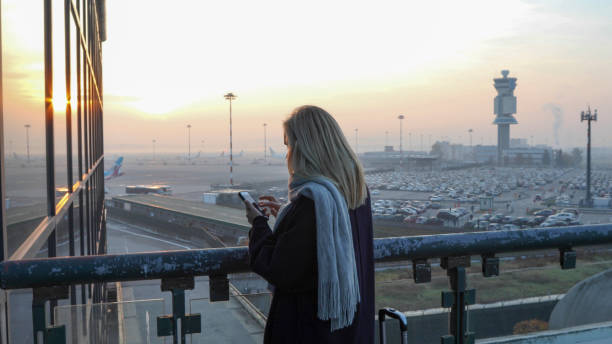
pixel 504 108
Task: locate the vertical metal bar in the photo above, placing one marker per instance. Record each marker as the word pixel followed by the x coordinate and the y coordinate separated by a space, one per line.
pixel 80 142
pixel 48 33
pixel 231 148
pixel 3 236
pixel 69 175
pixel 38 319
pixel 4 306
pixel 588 202
pixel 50 152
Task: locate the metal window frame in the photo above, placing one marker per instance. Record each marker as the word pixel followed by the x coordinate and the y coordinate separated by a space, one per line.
pixel 83 18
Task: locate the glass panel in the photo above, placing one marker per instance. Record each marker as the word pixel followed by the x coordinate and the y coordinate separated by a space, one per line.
pixel 24 125
pixel 59 100
pixel 20 316
pixel 123 322
pixel 74 99
pixel 233 321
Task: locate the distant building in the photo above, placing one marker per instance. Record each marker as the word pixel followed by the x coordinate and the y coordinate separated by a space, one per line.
pixel 389 149
pixel 485 154
pixel 527 156
pixel 518 143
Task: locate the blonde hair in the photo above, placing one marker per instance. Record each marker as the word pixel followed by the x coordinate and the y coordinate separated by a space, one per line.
pixel 317 147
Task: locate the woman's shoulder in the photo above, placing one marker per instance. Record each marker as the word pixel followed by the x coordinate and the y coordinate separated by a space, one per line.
pixel 302 203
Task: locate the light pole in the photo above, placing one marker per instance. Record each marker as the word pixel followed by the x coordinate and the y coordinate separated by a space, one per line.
pixel 401 118
pixel 189 141
pixel 409 139
pixel 587 116
pixel 154 141
pixel 386 138
pixel 27 128
pixel 356 141
pixel 470 131
pixel 265 143
pixel 230 96
pixel 421 142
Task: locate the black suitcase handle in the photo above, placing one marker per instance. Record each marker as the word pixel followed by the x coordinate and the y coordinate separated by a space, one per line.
pixel 395 314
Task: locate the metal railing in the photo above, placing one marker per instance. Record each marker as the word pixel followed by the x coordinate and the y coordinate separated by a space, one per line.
pixel 50 278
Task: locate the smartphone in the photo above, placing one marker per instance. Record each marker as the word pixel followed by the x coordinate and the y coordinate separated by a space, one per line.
pixel 245 196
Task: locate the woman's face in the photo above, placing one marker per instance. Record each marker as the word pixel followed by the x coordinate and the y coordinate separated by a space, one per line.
pixel 288 156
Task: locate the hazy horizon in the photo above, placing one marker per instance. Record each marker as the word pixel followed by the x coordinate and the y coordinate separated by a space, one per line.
pixel 365 62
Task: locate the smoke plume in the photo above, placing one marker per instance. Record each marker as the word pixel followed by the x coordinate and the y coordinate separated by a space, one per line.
pixel 557 113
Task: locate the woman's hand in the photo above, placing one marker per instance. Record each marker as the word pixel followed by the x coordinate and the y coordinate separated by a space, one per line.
pixel 251 212
pixel 270 205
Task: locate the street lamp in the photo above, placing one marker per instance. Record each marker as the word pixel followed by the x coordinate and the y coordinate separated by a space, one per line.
pixel 421 142
pixel 27 127
pixel 189 141
pixel 154 141
pixel 230 96
pixel 589 117
pixel 401 118
pixel 386 138
pixel 265 143
pixel 409 141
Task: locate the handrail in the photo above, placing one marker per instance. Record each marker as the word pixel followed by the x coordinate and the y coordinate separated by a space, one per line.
pixel 33 273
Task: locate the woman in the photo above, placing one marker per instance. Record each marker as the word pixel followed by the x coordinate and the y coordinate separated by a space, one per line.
pixel 319 257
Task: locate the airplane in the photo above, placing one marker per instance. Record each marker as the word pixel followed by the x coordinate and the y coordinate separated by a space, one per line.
pixel 274 154
pixel 114 171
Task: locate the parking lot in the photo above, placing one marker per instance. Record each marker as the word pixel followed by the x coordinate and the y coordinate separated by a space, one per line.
pixel 520 197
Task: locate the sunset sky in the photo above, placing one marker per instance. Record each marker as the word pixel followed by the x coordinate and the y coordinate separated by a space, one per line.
pixel 169 63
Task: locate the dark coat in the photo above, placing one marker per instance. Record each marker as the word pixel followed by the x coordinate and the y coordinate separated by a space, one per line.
pixel 287 259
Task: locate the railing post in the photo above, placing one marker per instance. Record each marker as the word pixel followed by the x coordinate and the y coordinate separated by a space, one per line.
pixel 567 258
pixel 457 300
pixel 421 271
pixel 52 334
pixel 169 324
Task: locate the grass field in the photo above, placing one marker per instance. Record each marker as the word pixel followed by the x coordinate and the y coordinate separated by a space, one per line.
pixel 518 279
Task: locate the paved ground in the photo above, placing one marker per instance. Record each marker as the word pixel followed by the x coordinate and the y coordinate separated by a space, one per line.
pixel 222 322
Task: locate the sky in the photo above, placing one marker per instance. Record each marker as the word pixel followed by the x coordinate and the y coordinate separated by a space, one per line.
pixel 168 64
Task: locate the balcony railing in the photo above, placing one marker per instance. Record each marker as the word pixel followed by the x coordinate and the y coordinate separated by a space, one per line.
pixel 50 278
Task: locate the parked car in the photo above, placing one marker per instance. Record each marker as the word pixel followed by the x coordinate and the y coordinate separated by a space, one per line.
pixel 520 221
pixel 485 217
pixel 435 206
pixel 562 217
pixel 553 223
pixel 482 225
pixel 544 212
pixel 496 218
pixel 536 221
pixel 434 221
pixel 410 219
pixel 421 220
pixel 507 219
pixel 494 227
pixel 570 210
pixel 509 227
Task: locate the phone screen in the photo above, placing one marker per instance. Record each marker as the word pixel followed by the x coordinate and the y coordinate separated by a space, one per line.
pixel 245 196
